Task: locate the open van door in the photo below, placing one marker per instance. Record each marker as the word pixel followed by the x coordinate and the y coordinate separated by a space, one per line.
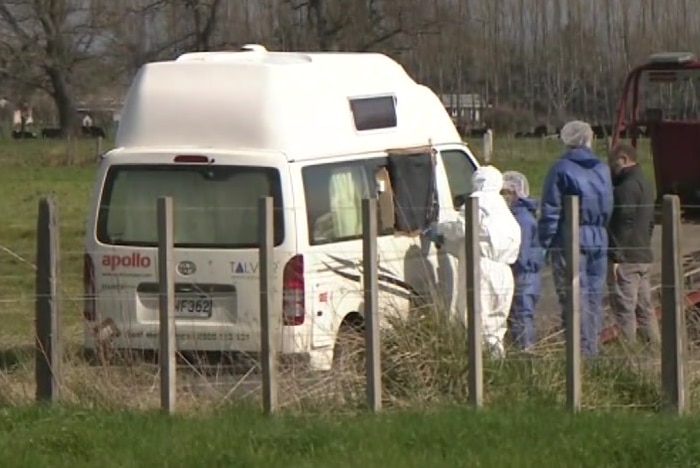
pixel 460 166
pixel 456 166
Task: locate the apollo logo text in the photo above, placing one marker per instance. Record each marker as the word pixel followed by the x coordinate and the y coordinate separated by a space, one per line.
pixel 134 260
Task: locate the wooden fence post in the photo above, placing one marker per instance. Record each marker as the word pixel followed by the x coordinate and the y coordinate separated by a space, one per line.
pixel 268 317
pixel 673 333
pixel 488 146
pixel 472 274
pixel 47 319
pixel 572 255
pixel 370 283
pixel 166 280
pixel 98 148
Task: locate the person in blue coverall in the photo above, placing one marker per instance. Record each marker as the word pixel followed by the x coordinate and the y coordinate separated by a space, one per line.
pixel 526 269
pixel 579 172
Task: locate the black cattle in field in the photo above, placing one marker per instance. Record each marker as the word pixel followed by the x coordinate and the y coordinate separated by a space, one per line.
pixel 23 135
pixel 50 133
pixel 599 131
pixel 607 131
pixel 93 131
pixel 477 132
pixel 540 131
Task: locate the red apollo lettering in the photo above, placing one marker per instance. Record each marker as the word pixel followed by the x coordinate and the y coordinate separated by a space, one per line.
pixel 134 260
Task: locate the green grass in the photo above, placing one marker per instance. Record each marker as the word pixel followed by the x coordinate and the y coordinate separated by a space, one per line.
pixel 533 157
pixel 451 437
pixel 424 367
pixel 30 170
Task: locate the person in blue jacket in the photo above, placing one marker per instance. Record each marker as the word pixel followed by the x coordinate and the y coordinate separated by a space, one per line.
pixel 526 269
pixel 579 172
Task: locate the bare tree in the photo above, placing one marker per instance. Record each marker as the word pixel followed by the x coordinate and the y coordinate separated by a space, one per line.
pixel 359 25
pixel 543 59
pixel 45 41
pixel 149 30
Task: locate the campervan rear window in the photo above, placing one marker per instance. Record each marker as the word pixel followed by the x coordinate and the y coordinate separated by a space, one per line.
pixel 214 206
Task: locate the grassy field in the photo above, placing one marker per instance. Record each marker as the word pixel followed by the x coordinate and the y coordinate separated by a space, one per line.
pixel 451 437
pixel 424 367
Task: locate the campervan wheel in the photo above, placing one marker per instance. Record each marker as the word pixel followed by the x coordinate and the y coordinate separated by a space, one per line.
pixel 348 372
pixel 349 352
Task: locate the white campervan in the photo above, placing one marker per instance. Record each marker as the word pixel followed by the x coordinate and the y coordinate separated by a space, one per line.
pixel 317 132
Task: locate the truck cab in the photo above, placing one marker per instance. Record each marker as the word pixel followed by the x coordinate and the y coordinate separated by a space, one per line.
pixel 661 101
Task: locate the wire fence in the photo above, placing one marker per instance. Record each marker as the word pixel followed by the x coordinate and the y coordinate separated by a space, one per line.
pixel 269 326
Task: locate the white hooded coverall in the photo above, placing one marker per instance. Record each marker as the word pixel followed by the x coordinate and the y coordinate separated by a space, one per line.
pixel 499 240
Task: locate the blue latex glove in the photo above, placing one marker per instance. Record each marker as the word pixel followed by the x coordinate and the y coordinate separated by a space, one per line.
pixel 434 236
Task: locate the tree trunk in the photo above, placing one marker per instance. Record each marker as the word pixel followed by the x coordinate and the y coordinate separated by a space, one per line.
pixel 64 101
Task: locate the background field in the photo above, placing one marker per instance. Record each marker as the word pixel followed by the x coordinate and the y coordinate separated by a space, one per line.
pixel 32 169
pixel 425 368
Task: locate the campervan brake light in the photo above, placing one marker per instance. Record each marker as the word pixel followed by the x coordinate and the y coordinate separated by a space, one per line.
pixel 191 158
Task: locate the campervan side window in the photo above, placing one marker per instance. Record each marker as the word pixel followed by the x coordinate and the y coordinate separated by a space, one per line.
pixel 374 113
pixel 459 169
pixel 214 206
pixel 334 194
pixel 405 191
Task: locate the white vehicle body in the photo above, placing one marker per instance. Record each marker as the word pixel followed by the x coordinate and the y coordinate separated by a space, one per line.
pixel 245 125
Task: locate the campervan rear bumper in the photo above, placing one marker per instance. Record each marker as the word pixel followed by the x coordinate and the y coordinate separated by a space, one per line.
pixel 209 338
pixel 239 361
pixel 294 349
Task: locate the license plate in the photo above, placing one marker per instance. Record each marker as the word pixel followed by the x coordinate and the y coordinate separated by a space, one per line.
pixel 200 306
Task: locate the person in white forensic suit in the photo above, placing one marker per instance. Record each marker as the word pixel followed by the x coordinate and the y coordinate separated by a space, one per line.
pixel 499 241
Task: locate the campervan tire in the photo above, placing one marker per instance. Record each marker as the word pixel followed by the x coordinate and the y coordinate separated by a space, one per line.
pixel 348 353
pixel 88 356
